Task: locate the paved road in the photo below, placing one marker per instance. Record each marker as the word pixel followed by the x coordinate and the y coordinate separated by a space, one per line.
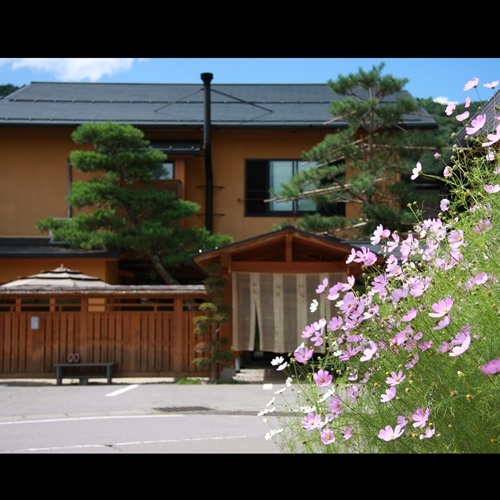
pixel 133 416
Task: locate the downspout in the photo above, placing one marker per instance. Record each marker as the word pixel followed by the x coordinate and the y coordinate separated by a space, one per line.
pixel 70 182
pixel 207 146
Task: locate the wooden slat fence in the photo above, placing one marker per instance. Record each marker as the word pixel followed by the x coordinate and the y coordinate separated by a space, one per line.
pixel 144 337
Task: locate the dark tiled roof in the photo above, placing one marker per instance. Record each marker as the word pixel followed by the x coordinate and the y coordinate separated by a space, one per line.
pixel 490 109
pixel 179 105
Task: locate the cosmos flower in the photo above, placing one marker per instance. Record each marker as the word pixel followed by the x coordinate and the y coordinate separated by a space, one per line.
pixel 492 367
pixel 416 171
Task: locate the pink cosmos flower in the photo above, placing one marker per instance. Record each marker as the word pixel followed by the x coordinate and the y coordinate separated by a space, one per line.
pixel 348 353
pixel 395 378
pixel 450 108
pixel 327 436
pixel 334 292
pixel 302 354
pixel 463 116
pixel 444 205
pixel 323 378
pixel 393 269
pixel 347 434
pixel 345 287
pixel 391 245
pixel 479 279
pixel 322 286
pixel 411 314
pixel 366 257
pixel 490 188
pixel 443 323
pixel 417 287
pixel 460 349
pixel 353 393
pixel 492 138
pixel 307 331
pixel 482 226
pixel 413 361
pixel 471 84
pixel 336 407
pixel 491 367
pixel 349 303
pixel 317 339
pixel 369 352
pixel 389 434
pixel 427 434
pixel 389 394
pixel 402 421
pixel 312 421
pixel 399 294
pixel 441 307
pixel 456 238
pixel 491 85
pixel 425 345
pixel 477 124
pixel 420 418
pixel 437 155
pixel 379 233
pixel 467 102
pixel 447 171
pixel 416 171
pixel 335 323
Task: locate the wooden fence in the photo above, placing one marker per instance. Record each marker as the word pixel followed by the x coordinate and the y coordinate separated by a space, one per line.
pixel 148 334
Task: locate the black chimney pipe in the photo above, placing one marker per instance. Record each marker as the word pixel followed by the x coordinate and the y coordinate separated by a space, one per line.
pixel 207 146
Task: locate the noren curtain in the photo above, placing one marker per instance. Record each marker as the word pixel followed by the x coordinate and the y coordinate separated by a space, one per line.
pixel 277 307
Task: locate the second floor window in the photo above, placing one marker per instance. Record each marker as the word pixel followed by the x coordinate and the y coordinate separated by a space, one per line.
pixel 263 177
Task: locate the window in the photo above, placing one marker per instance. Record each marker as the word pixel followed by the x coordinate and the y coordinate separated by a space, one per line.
pixel 166 172
pixel 263 177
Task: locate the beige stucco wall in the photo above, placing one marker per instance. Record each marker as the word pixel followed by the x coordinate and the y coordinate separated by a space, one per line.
pixel 34 169
pixel 230 149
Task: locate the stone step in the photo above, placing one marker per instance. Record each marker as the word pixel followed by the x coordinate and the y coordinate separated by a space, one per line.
pixel 259 375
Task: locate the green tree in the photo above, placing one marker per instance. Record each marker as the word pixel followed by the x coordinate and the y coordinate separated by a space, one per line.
pixel 214 312
pixel 368 163
pixel 123 211
pixel 7 89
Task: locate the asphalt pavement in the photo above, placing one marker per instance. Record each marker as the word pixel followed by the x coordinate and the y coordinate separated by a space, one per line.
pixel 134 415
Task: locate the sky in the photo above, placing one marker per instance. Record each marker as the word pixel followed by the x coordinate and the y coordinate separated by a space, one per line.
pixel 442 79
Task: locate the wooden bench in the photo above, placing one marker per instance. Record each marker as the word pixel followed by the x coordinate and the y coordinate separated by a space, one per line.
pixel 83 371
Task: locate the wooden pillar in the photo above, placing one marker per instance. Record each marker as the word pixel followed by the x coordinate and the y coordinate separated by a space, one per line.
pixel 179 337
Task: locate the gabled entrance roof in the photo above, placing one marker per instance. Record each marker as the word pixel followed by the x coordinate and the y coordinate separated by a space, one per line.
pixel 287 245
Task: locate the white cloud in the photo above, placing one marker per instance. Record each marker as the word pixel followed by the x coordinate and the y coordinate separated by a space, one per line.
pixel 73 69
pixel 443 100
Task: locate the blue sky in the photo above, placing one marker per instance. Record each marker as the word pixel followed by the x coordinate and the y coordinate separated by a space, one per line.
pixel 442 78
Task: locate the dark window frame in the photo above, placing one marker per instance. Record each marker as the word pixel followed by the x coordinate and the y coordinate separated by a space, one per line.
pixel 258 189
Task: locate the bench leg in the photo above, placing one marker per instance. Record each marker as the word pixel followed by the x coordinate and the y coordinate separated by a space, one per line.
pixel 84 381
pixel 109 374
pixel 59 375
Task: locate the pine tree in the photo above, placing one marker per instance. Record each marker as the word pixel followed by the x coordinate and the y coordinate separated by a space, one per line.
pixel 365 163
pixel 123 212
